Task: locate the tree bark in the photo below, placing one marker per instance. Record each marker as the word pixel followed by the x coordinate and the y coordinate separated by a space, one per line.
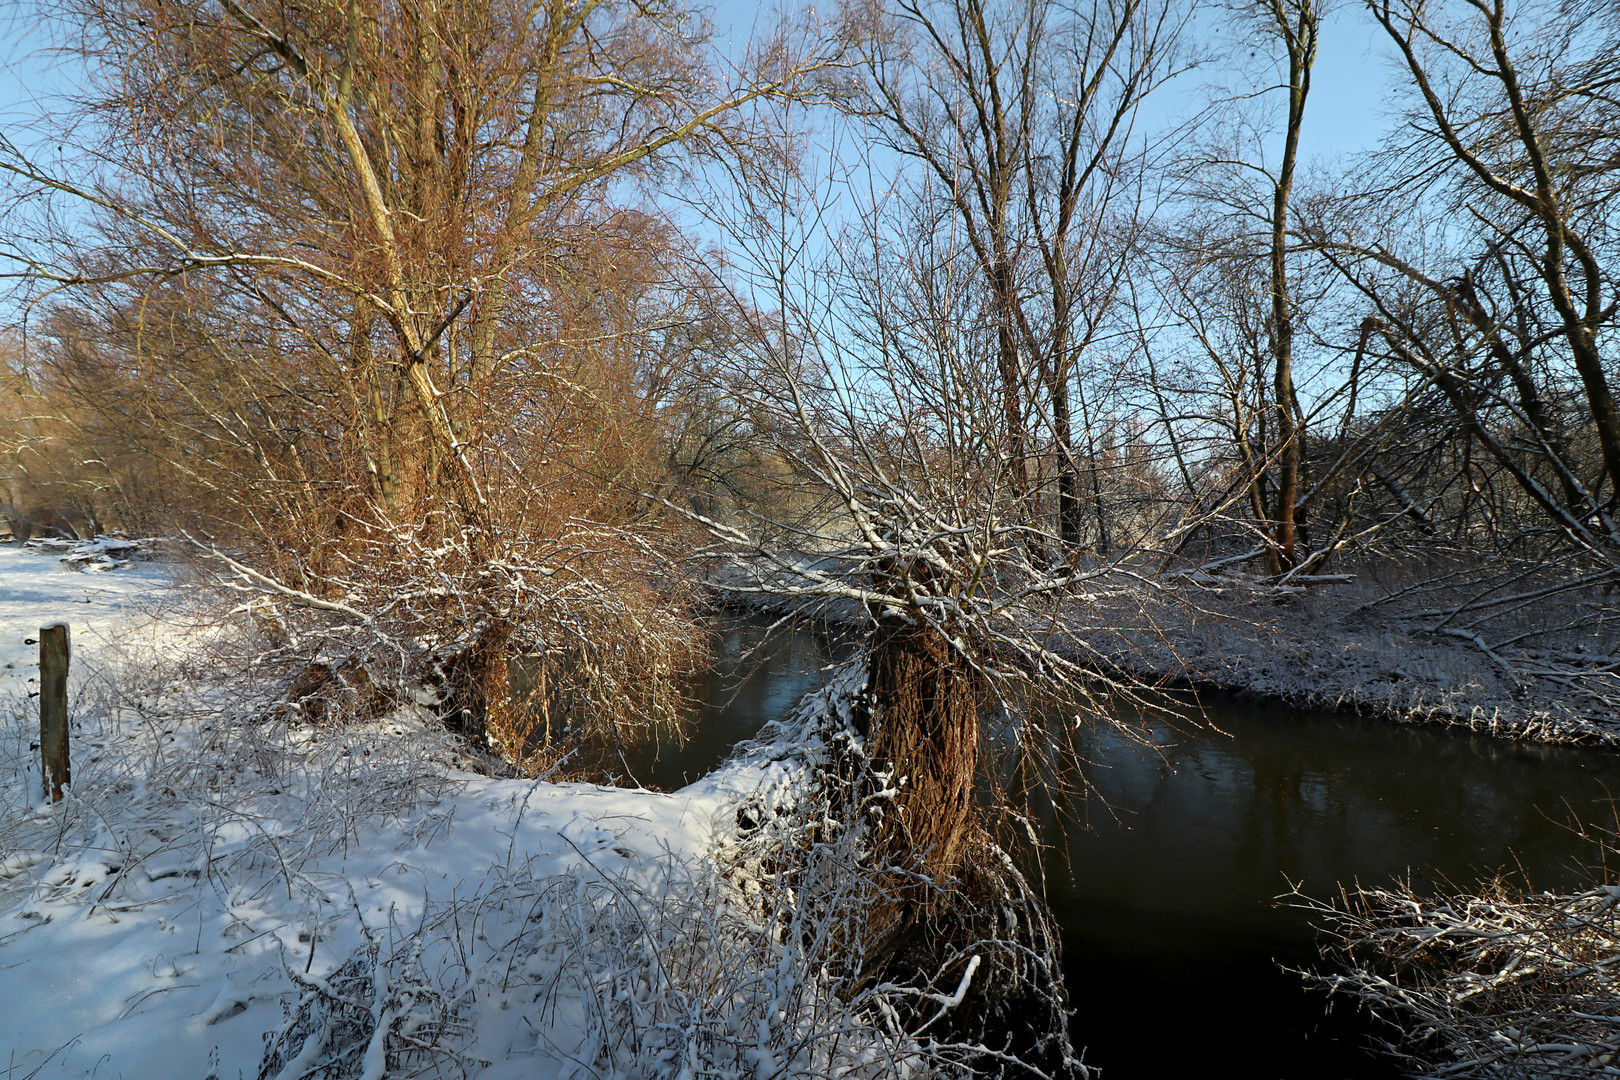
pixel 1298 30
pixel 925 727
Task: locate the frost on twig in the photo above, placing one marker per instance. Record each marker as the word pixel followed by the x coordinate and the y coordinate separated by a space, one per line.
pixel 587 620
pixel 379 1014
pixel 1498 982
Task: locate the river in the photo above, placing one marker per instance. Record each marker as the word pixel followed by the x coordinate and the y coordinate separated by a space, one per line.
pixel 1164 880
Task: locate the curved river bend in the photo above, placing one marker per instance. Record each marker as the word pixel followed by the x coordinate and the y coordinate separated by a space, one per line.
pixel 1164 879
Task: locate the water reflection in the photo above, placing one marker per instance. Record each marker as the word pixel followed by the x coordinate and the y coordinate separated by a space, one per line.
pixel 1164 877
pixel 1166 899
pixel 757 676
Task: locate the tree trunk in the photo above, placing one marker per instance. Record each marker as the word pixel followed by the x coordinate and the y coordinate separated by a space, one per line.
pixel 474 686
pixel 1297 27
pixel 925 727
pixel 1070 526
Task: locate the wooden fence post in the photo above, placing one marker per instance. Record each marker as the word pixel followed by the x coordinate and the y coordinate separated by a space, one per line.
pixel 54 650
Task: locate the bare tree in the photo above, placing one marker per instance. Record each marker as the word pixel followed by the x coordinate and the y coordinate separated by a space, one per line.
pixel 1508 308
pixel 372 275
pixel 1232 282
pixel 1022 122
pixel 876 371
pixel 1296 25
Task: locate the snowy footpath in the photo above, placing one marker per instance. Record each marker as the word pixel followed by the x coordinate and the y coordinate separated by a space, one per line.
pixel 223 896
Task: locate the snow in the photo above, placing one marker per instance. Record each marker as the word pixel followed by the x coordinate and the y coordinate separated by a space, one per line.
pixel 184 969
pixel 99 553
pixel 1355 645
pixel 1349 648
pixel 35 590
pixel 221 896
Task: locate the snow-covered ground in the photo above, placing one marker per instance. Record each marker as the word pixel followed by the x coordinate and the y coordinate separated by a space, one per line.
pixel 1351 649
pixel 35 589
pixel 220 896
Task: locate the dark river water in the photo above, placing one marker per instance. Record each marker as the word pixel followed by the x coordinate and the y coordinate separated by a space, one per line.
pixel 1165 879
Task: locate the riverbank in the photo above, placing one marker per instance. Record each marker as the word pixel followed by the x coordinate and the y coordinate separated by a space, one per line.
pixel 1530 664
pixel 1163 864
pixel 1341 649
pixel 221 893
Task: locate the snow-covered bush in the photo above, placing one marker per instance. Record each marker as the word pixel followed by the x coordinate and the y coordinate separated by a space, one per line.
pixel 1497 981
pixel 610 973
pixel 601 634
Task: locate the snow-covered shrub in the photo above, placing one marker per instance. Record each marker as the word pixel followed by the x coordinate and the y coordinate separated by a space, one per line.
pixel 377 1015
pixel 1496 981
pixel 615 971
pixel 599 631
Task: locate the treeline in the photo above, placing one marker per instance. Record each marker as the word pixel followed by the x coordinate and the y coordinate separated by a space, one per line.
pixel 472 319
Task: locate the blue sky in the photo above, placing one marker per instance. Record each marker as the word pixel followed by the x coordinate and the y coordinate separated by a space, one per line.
pixel 1347 113
pixel 29 77
pixel 1350 84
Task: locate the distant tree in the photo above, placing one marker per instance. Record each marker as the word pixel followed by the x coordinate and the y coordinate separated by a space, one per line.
pixel 1021 122
pixel 56 476
pixel 1232 282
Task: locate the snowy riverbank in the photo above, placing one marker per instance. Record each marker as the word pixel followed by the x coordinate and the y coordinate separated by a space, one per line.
pixel 1371 651
pixel 1532 661
pixel 222 896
